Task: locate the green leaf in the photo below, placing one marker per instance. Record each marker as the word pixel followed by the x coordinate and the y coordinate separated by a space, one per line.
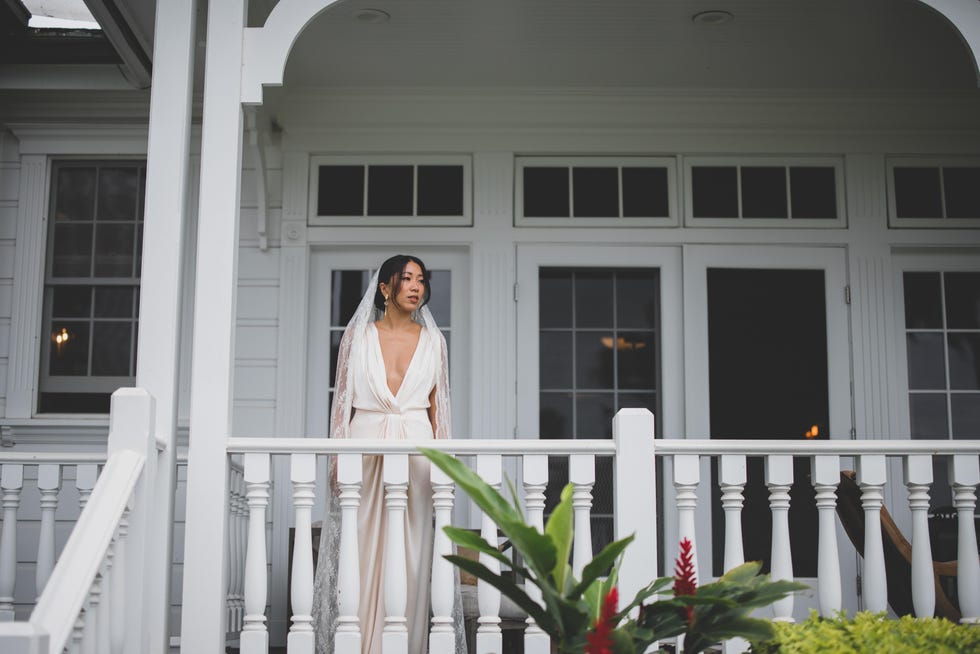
pixel 742 573
pixel 508 588
pixel 559 528
pixel 485 497
pixel 474 541
pixel 600 563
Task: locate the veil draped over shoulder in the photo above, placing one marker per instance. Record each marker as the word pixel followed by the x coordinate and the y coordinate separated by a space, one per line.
pixel 325 582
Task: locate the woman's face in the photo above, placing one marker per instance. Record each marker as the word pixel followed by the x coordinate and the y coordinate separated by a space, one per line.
pixel 412 287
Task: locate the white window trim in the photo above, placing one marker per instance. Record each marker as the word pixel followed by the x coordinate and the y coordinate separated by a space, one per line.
pixel 465 161
pixel 894 222
pixel 836 162
pixel 522 162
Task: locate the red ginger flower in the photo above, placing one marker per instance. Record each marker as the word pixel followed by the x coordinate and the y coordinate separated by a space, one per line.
pixel 685 582
pixel 600 639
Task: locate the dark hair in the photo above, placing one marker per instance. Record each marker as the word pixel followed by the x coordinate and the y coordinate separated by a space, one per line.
pixel 390 274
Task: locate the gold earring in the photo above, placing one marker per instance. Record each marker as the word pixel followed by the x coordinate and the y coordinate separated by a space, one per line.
pixel 386 305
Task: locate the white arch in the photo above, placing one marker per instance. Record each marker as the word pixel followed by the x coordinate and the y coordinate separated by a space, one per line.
pixel 266 48
pixel 964 15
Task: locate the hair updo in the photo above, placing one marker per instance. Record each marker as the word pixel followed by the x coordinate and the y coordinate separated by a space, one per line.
pixel 390 273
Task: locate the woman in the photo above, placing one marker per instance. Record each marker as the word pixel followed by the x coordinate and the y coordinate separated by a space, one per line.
pixel 392 383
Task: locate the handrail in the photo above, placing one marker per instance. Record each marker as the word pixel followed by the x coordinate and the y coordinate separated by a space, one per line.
pixel 72 577
pixel 64 458
pixel 379 446
pixel 708 447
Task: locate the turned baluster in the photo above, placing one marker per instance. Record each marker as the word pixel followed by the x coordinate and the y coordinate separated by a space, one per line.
pixel 48 484
pixel 536 641
pixel 394 639
pixel 871 477
pixel 918 477
pixel 779 479
pixel 731 477
pixel 442 637
pixel 488 634
pixel 11 483
pixel 687 476
pixel 825 471
pixel 581 473
pixel 349 471
pixel 964 476
pixel 303 476
pixel 254 638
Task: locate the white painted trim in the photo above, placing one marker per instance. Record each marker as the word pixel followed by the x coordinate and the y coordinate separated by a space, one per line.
pixel 891 162
pixel 113 140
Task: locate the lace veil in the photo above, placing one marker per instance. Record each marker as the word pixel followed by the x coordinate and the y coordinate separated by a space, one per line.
pixel 325 581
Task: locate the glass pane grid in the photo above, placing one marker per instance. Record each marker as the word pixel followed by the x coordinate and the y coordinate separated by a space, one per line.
pixel 598 191
pixel 391 190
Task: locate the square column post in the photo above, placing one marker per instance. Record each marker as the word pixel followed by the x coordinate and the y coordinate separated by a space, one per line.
pixel 160 281
pixel 204 611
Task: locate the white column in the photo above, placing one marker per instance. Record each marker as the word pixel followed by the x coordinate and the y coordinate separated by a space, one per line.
pixel 536 641
pixel 871 477
pixel 48 484
pixel 442 637
pixel 254 638
pixel 349 472
pixel 488 635
pixel 687 476
pixel 157 359
pixel 303 476
pixel 732 476
pixel 581 473
pixel 918 478
pixel 779 479
pixel 635 498
pixel 964 477
pixel 394 639
pixel 11 483
pixel 212 366
pixel 825 472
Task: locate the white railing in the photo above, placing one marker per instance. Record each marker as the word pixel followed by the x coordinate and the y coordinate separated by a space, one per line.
pixel 92 599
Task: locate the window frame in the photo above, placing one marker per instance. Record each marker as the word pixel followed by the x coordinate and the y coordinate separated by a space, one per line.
pixel 738 161
pixel 522 161
pixel 464 220
pixel 942 222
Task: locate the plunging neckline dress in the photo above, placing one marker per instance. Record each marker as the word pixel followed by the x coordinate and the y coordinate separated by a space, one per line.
pixel 379 413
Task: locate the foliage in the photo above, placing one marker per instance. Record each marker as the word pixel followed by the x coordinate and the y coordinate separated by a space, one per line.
pixel 869 633
pixel 572 610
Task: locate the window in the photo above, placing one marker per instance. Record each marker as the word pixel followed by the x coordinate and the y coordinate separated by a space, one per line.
pixel 91 290
pixel 927 193
pixel 389 191
pixel 763 192
pixel 595 191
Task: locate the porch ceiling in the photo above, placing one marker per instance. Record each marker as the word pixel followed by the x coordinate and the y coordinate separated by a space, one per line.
pixel 770 44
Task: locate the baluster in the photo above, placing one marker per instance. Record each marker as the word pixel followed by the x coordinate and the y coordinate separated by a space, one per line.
pixel 825 471
pixel 394 639
pixel 918 478
pixel 581 473
pixel 118 588
pixel 90 641
pixel 442 638
pixel 303 476
pixel 536 641
pixel 488 635
pixel 964 477
pixel 871 478
pixel 231 562
pixel 86 475
pixel 687 476
pixel 77 634
pixel 732 477
pixel 242 536
pixel 779 479
pixel 254 638
pixel 102 624
pixel 349 472
pixel 48 483
pixel 11 483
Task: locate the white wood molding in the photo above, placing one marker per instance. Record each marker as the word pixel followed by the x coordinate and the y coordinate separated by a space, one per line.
pixel 112 140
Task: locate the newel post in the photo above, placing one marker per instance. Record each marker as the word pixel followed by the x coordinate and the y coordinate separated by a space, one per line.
pixel 635 498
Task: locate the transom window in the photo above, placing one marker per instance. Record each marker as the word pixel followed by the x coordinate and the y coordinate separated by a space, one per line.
pixel 595 191
pixel 91 291
pixel 390 190
pixel 927 193
pixel 764 192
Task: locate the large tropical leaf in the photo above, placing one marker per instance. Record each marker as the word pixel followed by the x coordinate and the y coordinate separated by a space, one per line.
pixel 559 528
pixel 599 564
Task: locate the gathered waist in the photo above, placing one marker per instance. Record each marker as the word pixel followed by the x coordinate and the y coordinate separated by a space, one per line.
pixel 411 424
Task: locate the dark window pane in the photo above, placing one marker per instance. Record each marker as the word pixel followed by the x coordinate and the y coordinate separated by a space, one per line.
pixel 555 354
pixel 71 302
pixel 75 194
pixel 637 365
pixel 555 419
pixel 114 302
pixel 964 361
pixel 715 191
pixel 69 357
pixel 74 403
pixel 966 415
pixel 638 401
pixel 593 299
pixel 340 191
pixel 557 479
pixel 636 299
pixel 554 298
pixel 593 415
pixel 390 190
pixel 645 193
pixel 962 188
pixel 440 282
pixel 593 360
pixel 546 192
pixel 813 191
pixel 114 246
pixel 917 193
pixel 923 300
pixel 117 193
pixel 963 300
pixel 335 336
pixel 927 370
pixel 602 529
pixel 596 192
pixel 440 191
pixel 602 495
pixel 72 256
pixel 346 289
pixel 763 192
pixel 141 203
pixel 927 413
pixel 111 348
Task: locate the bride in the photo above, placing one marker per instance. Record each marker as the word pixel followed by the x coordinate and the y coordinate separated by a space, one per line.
pixel 392 383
